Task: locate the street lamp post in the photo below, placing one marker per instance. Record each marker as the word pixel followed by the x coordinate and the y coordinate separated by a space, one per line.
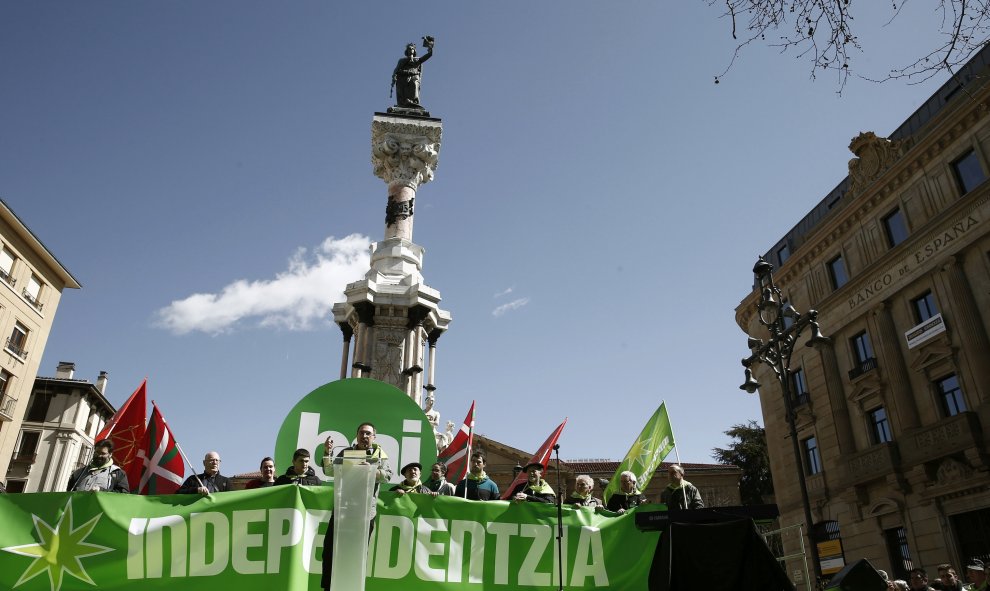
pixel 784 325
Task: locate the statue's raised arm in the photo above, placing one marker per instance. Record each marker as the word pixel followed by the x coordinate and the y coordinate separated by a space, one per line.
pixel 406 79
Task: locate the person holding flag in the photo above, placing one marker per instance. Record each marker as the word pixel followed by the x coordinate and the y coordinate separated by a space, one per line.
pixel 680 494
pixel 210 481
pixel 477 486
pixel 101 474
pixel 126 432
pixel 627 497
pixel 437 483
pixel 535 489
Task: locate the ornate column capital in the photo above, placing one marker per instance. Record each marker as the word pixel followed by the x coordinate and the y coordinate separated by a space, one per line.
pixel 404 153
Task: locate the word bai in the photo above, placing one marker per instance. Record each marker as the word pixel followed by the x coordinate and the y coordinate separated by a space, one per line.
pixel 441 550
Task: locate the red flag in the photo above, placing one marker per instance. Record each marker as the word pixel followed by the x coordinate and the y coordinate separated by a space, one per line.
pixel 455 455
pixel 126 431
pixel 163 470
pixel 542 456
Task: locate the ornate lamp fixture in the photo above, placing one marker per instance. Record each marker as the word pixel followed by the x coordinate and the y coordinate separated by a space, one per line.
pixel 784 325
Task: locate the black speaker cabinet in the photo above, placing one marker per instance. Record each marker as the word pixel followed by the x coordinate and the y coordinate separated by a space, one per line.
pixel 858 576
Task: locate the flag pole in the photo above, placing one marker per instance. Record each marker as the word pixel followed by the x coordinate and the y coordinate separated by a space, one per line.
pixel 179 447
pixel 467 459
pixel 677 455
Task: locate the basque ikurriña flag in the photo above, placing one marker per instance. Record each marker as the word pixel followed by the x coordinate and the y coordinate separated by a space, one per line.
pixel 542 456
pixel 455 455
pixel 163 468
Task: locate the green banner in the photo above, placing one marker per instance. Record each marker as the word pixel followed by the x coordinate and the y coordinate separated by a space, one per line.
pixel 272 538
pixel 655 441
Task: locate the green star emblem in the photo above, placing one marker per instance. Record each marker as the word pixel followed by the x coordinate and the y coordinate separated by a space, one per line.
pixel 59 550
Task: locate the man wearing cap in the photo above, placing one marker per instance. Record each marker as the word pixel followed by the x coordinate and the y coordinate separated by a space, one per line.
pixel 535 489
pixel 437 483
pixel 101 474
pixel 300 473
pixel 627 497
pixel 477 486
pixel 411 484
pixel 680 494
pixel 976 574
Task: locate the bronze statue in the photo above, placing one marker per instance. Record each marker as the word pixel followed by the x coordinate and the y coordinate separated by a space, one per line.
pixel 406 79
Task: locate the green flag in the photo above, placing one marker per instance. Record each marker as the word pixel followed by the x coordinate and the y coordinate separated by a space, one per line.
pixel 655 441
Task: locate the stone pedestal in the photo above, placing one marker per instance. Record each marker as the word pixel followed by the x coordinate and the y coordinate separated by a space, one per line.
pixel 391 312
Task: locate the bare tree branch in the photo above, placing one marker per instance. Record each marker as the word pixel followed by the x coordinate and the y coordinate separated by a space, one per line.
pixel 822 32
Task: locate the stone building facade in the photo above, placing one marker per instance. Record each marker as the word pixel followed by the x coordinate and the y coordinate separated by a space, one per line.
pixel 31 284
pixel 893 415
pixel 63 416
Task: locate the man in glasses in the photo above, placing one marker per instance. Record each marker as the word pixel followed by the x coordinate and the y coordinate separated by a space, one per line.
pixel 365 441
pixel 210 481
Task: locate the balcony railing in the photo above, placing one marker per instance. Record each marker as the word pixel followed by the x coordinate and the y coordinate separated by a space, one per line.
pixel 7 404
pixel 800 399
pixel 15 349
pixel 32 300
pixel 863 367
pixel 5 276
pixel 20 457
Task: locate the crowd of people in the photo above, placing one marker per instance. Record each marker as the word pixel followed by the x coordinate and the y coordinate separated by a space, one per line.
pixel 947 580
pixel 101 474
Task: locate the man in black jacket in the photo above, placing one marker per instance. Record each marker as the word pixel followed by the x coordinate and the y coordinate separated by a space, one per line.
pixel 680 494
pixel 300 472
pixel 101 474
pixel 210 481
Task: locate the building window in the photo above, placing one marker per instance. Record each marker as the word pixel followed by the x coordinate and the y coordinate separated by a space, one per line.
pixel 18 340
pixel 879 426
pixel 924 307
pixel 6 402
pixel 896 229
pixel 951 395
pixel 837 272
pixel 37 410
pixel 863 357
pixel 812 461
pixel 799 387
pixel 969 173
pixel 27 451
pixel 16 486
pixel 33 291
pixel 897 550
pixel 6 265
pixel 783 253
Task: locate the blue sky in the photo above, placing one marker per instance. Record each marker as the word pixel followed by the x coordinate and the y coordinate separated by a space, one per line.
pixel 204 170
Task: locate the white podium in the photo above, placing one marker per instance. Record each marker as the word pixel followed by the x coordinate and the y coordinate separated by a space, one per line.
pixel 353 493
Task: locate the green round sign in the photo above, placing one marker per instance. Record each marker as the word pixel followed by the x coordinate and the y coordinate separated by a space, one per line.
pixel 336 409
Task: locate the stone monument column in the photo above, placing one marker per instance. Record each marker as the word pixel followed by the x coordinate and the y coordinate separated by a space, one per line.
pixel 392 310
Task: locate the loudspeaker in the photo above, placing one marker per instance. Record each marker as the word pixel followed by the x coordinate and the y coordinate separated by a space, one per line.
pixel 858 576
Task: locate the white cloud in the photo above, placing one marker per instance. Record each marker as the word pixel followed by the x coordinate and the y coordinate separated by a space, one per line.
pixel 507 291
pixel 513 305
pixel 295 299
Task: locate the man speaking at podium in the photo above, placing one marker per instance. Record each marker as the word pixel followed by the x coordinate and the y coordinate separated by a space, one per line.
pixel 364 441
